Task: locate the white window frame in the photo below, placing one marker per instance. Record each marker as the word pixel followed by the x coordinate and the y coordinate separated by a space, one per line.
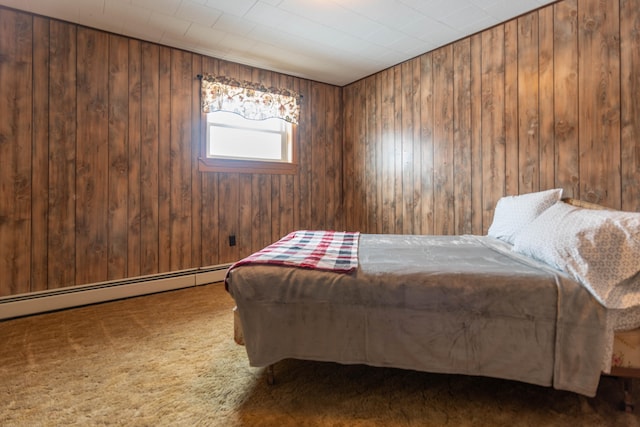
pixel 286 164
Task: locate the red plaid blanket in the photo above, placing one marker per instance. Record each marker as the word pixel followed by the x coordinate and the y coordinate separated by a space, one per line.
pixel 320 250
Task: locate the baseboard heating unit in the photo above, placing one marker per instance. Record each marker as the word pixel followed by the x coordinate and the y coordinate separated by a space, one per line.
pixel 75 296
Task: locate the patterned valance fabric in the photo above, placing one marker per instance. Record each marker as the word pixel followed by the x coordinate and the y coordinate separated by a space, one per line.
pixel 251 100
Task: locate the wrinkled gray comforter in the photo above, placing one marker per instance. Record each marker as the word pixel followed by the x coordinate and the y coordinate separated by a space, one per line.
pixel 448 304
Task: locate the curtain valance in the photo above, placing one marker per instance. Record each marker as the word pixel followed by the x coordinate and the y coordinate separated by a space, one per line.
pixel 251 100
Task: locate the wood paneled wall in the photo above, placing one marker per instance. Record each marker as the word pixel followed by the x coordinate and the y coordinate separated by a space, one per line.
pixel 99 141
pixel 547 100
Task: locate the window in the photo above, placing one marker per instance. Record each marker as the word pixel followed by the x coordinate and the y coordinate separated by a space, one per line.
pixel 236 144
pixel 249 128
pixel 230 136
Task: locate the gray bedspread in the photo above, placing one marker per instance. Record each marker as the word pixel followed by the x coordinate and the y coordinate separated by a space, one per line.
pixel 447 304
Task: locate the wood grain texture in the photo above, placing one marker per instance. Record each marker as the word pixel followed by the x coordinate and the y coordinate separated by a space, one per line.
pixel 134 149
pixel 15 152
pixel 427 125
pixel 118 158
pixel 599 107
pixel 40 160
pixel 149 160
pixel 210 195
pixel 629 105
pixel 406 142
pixel 62 155
pixel 551 104
pixel 493 122
pixel 443 133
pixel 193 148
pixel 164 107
pixel 462 148
pixel 565 58
pixel 102 147
pixel 528 163
pixel 546 139
pixel 475 130
pixel 101 136
pixel 511 108
pixel 92 167
pixel 180 160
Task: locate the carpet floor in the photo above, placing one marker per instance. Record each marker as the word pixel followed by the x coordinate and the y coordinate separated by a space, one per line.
pixel 169 359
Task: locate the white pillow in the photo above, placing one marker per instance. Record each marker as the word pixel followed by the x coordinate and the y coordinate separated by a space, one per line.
pixel 514 212
pixel 599 248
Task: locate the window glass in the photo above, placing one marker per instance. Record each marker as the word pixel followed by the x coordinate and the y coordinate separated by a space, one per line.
pixel 235 143
pixel 231 136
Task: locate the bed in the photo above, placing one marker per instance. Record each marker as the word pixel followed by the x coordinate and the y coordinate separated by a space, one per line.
pixel 522 303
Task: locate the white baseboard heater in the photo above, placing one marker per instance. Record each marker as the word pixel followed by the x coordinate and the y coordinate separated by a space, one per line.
pixel 75 296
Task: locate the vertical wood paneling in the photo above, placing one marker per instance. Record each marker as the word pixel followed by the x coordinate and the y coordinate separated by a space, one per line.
pixel 165 171
pixel 629 105
pixel 544 110
pixel 333 144
pixel 15 132
pixel 21 162
pixel 599 107
pixel 350 170
pixel 261 209
pixel 397 150
pixel 181 76
pixel 92 146
pixel 210 197
pixel 406 136
pixel 193 146
pixel 528 98
pixel 367 200
pixel 388 163
pixel 462 151
pixel 100 161
pixel 238 196
pixel 427 144
pixel 511 118
pixel 443 99
pixel 493 116
pixel 565 59
pixel 149 159
pixel 304 128
pixel 118 156
pixel 62 155
pixel 356 158
pixel 546 138
pixel 294 182
pixel 318 157
pixel 476 134
pixel 134 126
pixel 40 163
pixel 416 103
pixel 376 138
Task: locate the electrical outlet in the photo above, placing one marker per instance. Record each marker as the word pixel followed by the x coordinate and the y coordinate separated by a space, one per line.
pixel 232 240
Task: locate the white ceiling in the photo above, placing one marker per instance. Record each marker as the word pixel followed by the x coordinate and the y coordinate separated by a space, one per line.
pixel 331 41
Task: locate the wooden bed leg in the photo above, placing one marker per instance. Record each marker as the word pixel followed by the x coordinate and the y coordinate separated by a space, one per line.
pixel 271 377
pixel 628 394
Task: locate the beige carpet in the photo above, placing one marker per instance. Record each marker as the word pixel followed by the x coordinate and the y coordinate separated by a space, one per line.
pixel 169 360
